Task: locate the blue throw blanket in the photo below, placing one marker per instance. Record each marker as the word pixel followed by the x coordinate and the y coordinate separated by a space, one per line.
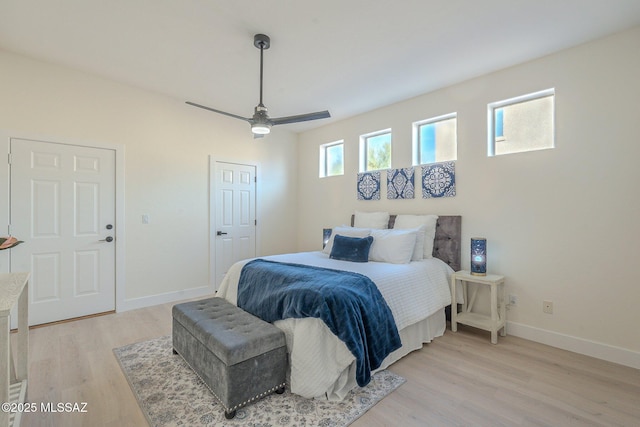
pixel 349 304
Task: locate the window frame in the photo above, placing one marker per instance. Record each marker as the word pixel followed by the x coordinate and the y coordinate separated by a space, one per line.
pixel 323 165
pixel 500 105
pixel 416 153
pixel 364 148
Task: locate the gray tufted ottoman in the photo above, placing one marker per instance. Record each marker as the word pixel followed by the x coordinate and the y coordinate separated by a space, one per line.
pixel 238 356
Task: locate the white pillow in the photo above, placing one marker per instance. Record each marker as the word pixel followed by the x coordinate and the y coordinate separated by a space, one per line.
pixel 413 221
pixel 418 250
pixel 392 246
pixel 345 231
pixel 378 220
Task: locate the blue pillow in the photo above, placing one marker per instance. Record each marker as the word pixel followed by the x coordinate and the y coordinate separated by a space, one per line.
pixel 355 249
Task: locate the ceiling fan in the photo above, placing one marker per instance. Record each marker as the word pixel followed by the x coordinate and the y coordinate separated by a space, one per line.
pixel 261 122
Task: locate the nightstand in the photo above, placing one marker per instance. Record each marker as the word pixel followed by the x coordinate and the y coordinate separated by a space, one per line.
pixel 498 319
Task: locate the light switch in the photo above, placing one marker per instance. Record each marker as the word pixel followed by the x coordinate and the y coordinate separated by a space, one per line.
pixel 145 218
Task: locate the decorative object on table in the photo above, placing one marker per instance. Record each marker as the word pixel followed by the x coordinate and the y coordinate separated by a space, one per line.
pixel 478 256
pixel 400 183
pixel 326 234
pixel 170 393
pixel 439 180
pixel 369 185
pixel 9 242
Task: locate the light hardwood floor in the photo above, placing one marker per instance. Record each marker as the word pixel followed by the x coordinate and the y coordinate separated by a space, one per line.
pixel 458 380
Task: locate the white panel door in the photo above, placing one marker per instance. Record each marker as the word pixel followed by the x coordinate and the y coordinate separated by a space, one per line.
pixel 63 206
pixel 235 217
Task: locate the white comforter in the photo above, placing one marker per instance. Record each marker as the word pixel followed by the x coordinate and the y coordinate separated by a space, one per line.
pixel 321 364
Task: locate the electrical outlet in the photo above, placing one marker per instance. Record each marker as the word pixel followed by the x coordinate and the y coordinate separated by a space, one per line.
pixel 547 307
pixel 513 300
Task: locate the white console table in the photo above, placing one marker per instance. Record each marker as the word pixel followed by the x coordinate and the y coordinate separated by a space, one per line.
pixel 13 379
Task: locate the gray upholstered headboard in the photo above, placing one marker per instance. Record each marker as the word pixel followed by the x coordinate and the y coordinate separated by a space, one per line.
pixel 447 244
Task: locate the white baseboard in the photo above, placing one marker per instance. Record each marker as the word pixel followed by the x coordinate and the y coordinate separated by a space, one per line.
pixel 598 350
pixel 134 303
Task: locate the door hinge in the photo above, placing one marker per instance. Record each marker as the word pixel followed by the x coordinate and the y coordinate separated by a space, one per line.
pixel 255 179
pixel 9 158
pixel 255 222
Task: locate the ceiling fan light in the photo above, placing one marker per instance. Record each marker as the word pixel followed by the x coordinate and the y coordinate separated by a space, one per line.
pixel 261 128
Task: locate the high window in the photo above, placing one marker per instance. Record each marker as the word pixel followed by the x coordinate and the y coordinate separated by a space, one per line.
pixel 435 140
pixel 332 159
pixel 375 151
pixel 524 123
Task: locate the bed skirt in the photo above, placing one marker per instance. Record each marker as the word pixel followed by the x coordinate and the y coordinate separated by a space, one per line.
pixel 414 336
pixel 334 380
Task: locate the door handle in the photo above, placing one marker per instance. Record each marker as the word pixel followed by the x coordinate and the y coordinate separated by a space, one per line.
pixel 108 239
pixel 220 233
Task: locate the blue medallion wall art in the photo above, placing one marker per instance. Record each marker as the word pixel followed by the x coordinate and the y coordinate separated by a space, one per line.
pixel 400 183
pixel 369 185
pixel 439 180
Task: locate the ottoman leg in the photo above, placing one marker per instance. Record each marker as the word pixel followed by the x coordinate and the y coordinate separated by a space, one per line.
pixel 280 390
pixel 229 415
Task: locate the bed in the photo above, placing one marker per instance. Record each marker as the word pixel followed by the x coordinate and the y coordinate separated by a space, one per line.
pixel 321 365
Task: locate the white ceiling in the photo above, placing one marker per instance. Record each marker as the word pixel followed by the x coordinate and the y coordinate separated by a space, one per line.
pixel 347 56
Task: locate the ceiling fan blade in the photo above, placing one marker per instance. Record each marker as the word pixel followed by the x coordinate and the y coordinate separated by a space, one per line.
pixel 301 118
pixel 235 116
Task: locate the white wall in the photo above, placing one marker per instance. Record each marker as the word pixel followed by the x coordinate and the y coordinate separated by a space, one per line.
pixel 561 224
pixel 167 146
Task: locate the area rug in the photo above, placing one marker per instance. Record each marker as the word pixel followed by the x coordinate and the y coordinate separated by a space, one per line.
pixel 171 394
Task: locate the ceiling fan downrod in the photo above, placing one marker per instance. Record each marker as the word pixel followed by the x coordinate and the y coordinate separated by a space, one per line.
pixel 262 42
